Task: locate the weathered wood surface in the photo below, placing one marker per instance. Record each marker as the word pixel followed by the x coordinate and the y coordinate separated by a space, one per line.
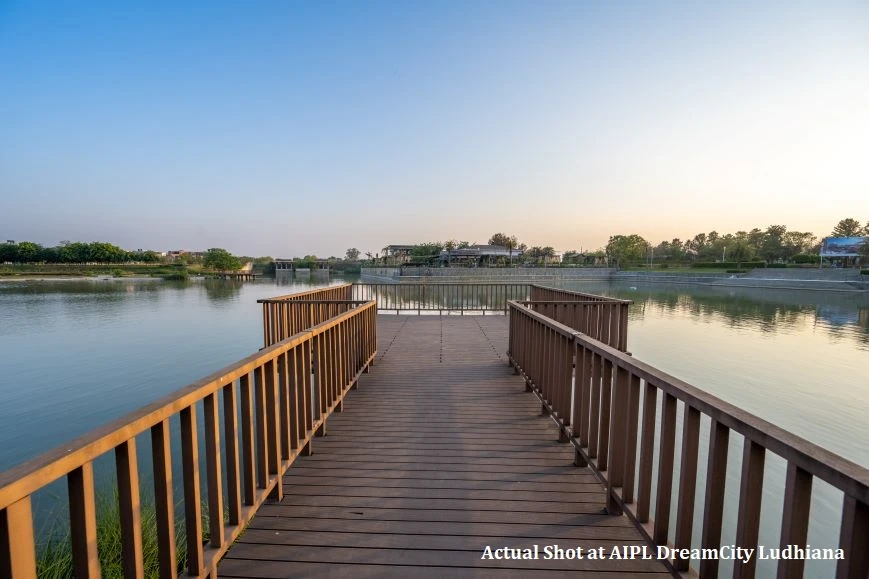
pixel 438 454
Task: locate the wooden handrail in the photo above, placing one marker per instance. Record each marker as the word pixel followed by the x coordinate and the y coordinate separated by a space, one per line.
pixel 541 293
pixel 599 411
pixel 333 292
pixel 283 394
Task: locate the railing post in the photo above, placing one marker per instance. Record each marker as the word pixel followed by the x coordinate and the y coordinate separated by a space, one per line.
pixel 853 539
pixel 665 469
pixel 130 509
pixel 750 494
pixel 233 476
pixel 687 483
pixel 17 546
pixel 214 471
pixel 795 518
pixel 192 504
pixel 164 504
pixel 716 474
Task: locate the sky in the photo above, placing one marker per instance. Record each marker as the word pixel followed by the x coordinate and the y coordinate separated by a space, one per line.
pixel 294 128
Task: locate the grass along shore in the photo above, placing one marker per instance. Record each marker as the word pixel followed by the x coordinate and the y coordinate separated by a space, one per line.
pixel 54 554
pixel 62 270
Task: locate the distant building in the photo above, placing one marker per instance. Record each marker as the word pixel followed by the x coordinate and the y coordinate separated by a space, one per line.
pixel 398 253
pixel 479 254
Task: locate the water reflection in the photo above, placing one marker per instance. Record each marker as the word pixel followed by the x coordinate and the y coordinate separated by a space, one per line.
pixel 222 290
pixel 841 315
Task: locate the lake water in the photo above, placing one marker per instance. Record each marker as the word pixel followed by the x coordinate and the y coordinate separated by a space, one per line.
pixel 76 354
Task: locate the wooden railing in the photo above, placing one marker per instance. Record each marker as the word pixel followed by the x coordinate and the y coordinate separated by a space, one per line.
pixel 607 407
pixel 605 321
pixel 280 321
pixel 260 414
pixel 441 297
pixel 287 318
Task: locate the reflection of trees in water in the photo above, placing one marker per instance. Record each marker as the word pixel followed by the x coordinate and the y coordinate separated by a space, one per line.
pixel 220 290
pixel 89 287
pixel 840 315
pixel 733 312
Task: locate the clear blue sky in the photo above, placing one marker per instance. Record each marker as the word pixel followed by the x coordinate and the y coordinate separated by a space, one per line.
pixel 287 128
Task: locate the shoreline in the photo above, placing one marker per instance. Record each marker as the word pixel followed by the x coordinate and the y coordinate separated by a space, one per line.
pixel 101 278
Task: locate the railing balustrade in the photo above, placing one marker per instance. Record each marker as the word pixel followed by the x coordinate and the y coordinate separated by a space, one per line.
pixel 598 408
pixel 280 320
pixel 605 321
pixel 441 297
pixel 262 412
pixel 287 318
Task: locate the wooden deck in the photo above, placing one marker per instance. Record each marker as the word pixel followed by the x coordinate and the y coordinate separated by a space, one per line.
pixel 438 454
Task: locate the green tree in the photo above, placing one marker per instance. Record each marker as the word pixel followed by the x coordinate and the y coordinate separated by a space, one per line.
pixel 627 249
pixel 755 239
pixel 352 254
pixel 673 250
pixel 772 246
pixel 219 259
pixel 571 256
pixel 8 252
pixel 797 242
pixel 740 250
pixel 533 254
pixel 427 251
pixel 508 241
pixel 28 251
pixel 848 228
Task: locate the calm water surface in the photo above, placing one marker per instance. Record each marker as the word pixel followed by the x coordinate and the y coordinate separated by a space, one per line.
pixel 799 359
pixel 76 354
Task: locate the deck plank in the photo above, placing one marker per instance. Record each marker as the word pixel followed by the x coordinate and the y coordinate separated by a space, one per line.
pixel 438 454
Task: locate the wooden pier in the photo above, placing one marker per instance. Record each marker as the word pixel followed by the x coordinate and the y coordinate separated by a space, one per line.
pixel 533 427
pixel 238 275
pixel 440 453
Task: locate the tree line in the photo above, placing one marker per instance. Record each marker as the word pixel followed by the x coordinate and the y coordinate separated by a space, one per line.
pixel 773 244
pixel 73 252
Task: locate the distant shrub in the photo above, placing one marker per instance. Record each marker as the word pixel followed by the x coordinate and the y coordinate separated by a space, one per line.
pixel 777 265
pixel 864 272
pixel 737 271
pixel 806 258
pixel 180 275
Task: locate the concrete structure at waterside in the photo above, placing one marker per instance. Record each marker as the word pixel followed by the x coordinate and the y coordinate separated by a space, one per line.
pixel 477 254
pixel 485 274
pixel 290 265
pixel 790 278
